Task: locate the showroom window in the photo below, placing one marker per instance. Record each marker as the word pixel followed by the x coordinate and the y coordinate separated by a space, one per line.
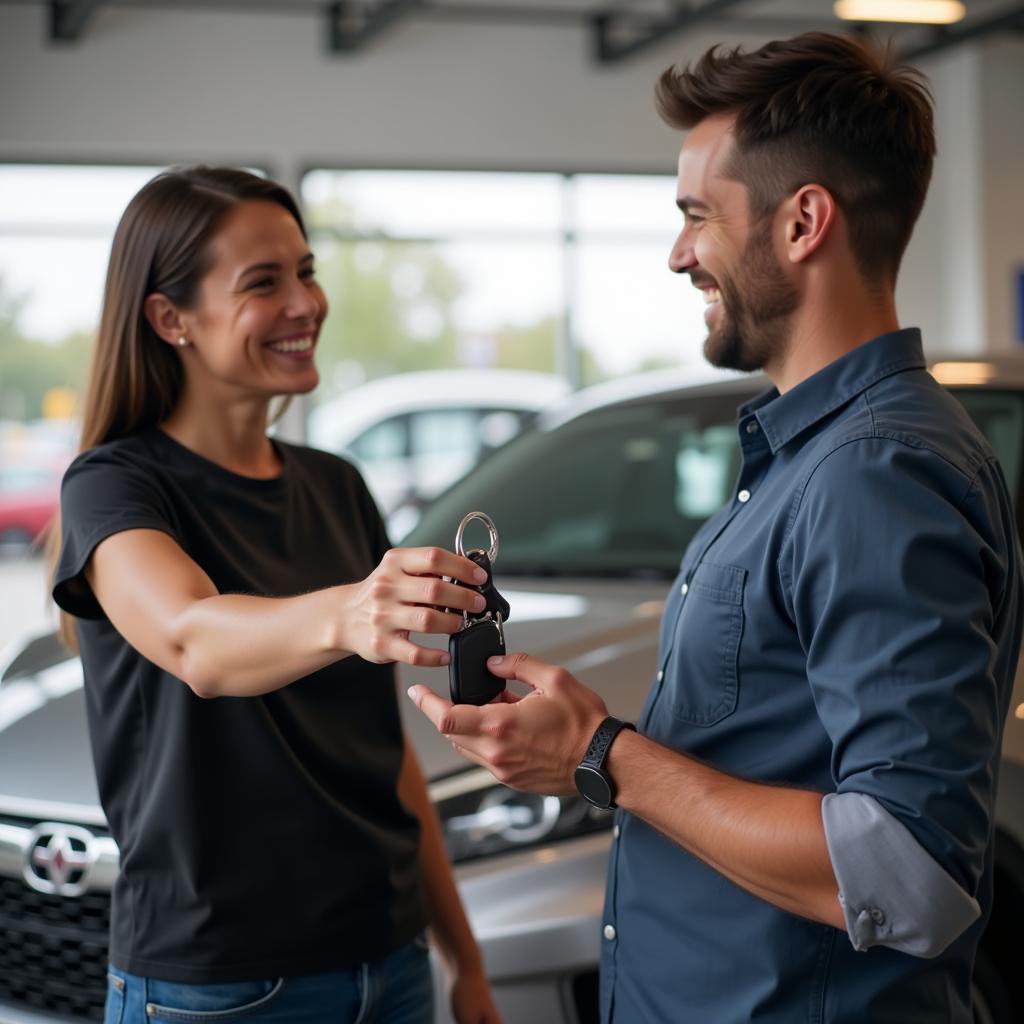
pixel 56 225
pixel 559 273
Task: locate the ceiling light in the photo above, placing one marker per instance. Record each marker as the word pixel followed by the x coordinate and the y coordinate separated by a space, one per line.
pixel 921 12
pixel 963 373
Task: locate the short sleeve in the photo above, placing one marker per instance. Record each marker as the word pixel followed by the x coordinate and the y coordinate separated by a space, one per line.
pixel 101 494
pixel 895 579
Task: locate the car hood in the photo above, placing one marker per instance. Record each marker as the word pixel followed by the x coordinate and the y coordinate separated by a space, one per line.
pixel 44 746
pixel 604 632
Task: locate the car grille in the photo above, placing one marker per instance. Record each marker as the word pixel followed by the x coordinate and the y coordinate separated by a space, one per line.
pixel 53 951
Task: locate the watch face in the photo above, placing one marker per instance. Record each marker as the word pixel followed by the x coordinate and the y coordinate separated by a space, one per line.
pixel 594 785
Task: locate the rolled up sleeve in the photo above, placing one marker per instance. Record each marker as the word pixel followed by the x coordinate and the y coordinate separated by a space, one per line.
pixel 891 890
pixel 894 584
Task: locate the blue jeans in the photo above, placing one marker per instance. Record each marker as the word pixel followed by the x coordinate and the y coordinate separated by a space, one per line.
pixel 395 990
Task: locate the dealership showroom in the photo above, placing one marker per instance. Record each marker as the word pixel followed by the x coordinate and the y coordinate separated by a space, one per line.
pixel 670 352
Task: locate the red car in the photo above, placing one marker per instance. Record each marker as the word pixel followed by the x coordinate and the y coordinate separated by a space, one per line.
pixel 28 501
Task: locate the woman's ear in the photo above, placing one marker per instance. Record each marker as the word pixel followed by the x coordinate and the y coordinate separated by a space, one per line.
pixel 810 214
pixel 164 318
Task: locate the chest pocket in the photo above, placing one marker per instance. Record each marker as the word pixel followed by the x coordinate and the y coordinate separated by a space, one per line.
pixel 703 674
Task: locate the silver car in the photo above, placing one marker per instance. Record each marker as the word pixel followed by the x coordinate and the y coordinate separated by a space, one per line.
pixel 594 505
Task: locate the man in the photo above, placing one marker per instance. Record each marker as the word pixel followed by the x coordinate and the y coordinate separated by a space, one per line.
pixel 805 808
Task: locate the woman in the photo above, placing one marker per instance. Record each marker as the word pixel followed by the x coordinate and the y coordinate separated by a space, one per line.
pixel 237 611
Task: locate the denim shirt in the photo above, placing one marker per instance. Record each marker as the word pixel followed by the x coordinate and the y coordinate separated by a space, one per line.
pixel 848 623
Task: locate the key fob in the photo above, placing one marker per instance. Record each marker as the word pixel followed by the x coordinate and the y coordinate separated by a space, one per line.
pixel 496 604
pixel 468 677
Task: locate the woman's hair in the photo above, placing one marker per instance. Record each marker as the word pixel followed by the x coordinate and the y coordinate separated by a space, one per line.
pixel 162 244
pixel 821 109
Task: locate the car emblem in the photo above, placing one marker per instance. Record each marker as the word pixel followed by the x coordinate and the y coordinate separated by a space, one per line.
pixel 58 859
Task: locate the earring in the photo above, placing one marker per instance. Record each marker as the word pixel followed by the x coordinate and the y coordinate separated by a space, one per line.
pixel 182 341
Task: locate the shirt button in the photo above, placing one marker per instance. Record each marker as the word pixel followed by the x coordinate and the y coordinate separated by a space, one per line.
pixel 616 831
pixel 752 427
pixel 685 589
pixel 661 675
pixel 744 495
pixel 609 932
pixel 876 915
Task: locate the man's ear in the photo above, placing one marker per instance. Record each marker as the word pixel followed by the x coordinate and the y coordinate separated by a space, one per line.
pixel 164 318
pixel 810 214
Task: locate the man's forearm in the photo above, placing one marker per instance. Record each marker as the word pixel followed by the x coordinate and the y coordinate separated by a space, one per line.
pixel 769 840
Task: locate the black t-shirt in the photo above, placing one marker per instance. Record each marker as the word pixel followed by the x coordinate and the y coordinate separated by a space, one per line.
pixel 262 836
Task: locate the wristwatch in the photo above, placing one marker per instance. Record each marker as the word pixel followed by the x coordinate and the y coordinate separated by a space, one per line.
pixel 593 782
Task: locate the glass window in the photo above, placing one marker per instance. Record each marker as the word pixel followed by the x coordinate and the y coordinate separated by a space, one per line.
pixel 1000 417
pixel 441 431
pixel 431 204
pixel 499 427
pixel 386 440
pixel 56 225
pixel 559 273
pixel 706 464
pixel 624 490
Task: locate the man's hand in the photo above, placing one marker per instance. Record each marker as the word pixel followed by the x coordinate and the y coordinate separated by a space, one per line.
pixel 532 743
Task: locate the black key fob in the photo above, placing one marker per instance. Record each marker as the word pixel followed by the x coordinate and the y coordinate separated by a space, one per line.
pixel 468 676
pixel 496 604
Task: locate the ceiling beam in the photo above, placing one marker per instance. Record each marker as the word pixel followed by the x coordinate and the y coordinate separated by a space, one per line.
pixel 943 38
pixel 618 35
pixel 68 18
pixel 350 26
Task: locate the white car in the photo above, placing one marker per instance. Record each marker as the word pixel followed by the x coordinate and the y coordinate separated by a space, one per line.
pixel 414 434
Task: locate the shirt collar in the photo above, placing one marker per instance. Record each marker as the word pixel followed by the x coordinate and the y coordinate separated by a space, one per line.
pixel 782 417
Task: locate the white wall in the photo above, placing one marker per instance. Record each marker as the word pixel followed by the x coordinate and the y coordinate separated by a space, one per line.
pixel 242 86
pixel 961 264
pixel 164 86
pixel 1002 115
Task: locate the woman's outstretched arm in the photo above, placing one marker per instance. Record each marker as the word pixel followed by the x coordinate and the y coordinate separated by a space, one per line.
pixel 238 645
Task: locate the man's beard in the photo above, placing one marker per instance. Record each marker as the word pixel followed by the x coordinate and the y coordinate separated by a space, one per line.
pixel 753 329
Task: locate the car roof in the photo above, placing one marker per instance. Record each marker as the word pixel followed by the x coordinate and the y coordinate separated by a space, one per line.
pixel 342 419
pixel 690 381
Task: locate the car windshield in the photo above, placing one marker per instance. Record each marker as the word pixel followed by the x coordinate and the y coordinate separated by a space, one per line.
pixel 621 491
pixel 616 492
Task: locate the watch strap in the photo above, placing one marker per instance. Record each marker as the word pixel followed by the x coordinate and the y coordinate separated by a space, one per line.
pixel 597 752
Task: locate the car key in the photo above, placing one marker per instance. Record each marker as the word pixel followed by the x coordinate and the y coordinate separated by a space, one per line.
pixel 471 682
pixel 482 635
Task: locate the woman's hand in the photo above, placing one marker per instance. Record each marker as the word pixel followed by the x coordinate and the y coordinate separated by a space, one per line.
pixel 471 999
pixel 405 594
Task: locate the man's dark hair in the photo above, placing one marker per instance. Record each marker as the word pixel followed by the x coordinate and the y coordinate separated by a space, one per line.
pixel 820 109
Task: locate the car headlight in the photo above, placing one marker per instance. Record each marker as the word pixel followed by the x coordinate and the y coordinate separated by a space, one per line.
pixel 480 817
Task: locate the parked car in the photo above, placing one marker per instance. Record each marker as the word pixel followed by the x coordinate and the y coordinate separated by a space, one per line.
pixel 413 434
pixel 33 457
pixel 594 505
pixel 28 501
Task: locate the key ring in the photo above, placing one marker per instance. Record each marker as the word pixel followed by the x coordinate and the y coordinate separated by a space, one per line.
pixel 492 534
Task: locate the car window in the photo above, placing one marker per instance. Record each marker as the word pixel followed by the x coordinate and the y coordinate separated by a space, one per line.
pixel 622 491
pixel 442 431
pixel 499 426
pixel 618 492
pixel 384 440
pixel 1000 417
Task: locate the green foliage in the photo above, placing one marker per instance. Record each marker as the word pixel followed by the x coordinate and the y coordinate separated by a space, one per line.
pixel 536 347
pixel 30 368
pixel 391 307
